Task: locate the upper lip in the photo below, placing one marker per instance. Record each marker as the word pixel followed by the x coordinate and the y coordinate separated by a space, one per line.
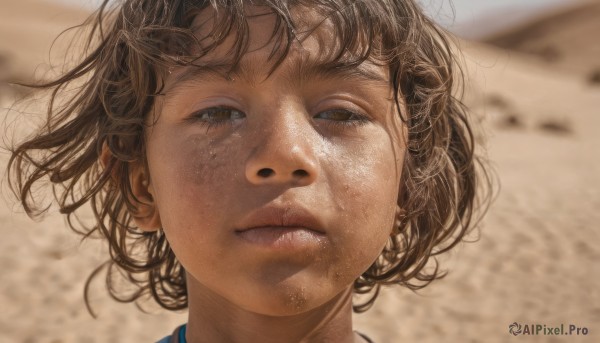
pixel 280 216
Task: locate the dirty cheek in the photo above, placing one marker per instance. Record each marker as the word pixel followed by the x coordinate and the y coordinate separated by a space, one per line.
pixel 364 184
pixel 197 176
pixel 364 178
pixel 206 163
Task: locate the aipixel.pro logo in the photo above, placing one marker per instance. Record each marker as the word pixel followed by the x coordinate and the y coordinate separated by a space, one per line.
pixel 516 329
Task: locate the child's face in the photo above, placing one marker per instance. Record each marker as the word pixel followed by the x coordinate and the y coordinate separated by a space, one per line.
pixel 312 158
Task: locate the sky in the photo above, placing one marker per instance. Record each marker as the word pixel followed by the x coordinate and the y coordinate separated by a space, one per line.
pixel 477 18
pixel 467 12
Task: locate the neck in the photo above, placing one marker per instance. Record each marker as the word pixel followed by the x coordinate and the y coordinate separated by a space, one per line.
pixel 214 319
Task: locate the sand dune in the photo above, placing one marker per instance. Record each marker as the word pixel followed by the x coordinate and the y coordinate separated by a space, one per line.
pixel 567 38
pixel 28 28
pixel 27 31
pixel 536 261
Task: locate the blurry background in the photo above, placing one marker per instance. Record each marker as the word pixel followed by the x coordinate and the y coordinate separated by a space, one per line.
pixel 534 91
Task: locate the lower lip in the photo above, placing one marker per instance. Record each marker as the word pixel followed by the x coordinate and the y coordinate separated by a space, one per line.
pixel 283 237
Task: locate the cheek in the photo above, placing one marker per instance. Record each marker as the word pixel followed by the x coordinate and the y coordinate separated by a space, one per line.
pixel 191 179
pixel 364 180
pixel 203 167
pixel 364 183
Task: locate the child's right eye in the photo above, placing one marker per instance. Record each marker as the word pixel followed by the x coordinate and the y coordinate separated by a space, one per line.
pixel 216 116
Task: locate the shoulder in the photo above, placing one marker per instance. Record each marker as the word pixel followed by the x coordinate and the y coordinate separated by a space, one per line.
pixel 178 336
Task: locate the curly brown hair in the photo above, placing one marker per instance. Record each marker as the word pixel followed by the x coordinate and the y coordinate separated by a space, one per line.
pixel 132 45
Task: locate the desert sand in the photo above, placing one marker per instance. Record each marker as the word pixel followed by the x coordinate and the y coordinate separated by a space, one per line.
pixel 537 255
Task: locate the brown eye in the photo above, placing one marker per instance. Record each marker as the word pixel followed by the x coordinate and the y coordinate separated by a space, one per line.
pixel 342 117
pixel 219 114
pixel 216 117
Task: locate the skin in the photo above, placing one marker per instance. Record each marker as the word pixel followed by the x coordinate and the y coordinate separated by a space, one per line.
pixel 333 146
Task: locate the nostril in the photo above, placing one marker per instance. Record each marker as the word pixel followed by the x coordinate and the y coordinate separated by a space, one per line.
pixel 300 173
pixel 266 172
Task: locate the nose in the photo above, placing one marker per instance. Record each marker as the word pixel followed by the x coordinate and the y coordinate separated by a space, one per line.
pixel 285 154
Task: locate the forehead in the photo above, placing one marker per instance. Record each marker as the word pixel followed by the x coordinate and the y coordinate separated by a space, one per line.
pixel 232 46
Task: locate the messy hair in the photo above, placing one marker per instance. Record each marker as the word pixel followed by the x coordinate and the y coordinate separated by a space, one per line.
pixel 121 75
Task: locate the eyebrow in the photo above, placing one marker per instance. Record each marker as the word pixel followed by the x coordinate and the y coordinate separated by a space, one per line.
pixel 298 73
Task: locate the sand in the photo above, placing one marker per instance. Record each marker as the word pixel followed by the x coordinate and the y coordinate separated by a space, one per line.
pixel 536 260
pixel 562 37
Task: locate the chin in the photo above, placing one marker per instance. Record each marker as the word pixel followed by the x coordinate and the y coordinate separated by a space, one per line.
pixel 289 291
pixel 286 299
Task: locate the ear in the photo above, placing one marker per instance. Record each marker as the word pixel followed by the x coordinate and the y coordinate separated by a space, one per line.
pixel 146 215
pixel 145 212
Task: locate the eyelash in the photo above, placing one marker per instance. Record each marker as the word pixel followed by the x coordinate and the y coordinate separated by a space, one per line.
pixel 211 123
pixel 355 119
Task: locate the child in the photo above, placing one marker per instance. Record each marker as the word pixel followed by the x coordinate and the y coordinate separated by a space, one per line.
pixel 260 162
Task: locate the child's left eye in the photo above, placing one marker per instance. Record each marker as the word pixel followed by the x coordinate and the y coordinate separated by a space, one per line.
pixel 342 117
